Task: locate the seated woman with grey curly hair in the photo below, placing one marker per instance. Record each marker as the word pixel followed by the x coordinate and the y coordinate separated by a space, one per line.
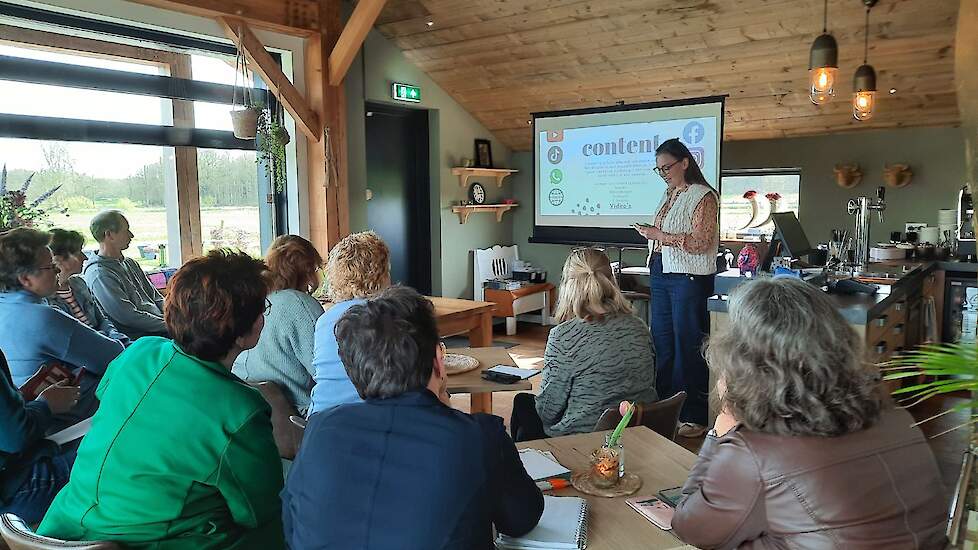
pixel 808 451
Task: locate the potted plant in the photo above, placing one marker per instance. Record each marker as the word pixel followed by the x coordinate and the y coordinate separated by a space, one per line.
pixel 245 111
pixel 939 369
pixel 271 141
pixel 15 211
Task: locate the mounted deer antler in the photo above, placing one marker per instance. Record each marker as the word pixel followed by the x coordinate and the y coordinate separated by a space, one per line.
pixel 897 175
pixel 848 175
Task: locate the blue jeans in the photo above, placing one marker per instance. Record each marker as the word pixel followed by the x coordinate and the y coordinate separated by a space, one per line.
pixel 48 475
pixel 680 323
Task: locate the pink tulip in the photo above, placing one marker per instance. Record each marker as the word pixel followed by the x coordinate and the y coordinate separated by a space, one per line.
pixel 623 407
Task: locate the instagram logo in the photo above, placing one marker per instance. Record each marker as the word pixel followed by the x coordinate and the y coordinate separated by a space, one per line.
pixel 699 155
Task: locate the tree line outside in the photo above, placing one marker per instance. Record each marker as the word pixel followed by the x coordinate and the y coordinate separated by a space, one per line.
pixel 228 199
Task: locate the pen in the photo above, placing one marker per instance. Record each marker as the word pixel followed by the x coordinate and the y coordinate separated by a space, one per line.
pixel 555 483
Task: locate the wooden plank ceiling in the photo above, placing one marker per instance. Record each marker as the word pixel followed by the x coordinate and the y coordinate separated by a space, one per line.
pixel 503 59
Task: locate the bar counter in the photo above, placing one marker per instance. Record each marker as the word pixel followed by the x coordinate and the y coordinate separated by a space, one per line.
pixel 861 309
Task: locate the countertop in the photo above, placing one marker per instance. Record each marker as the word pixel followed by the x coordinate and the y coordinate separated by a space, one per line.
pixel 859 309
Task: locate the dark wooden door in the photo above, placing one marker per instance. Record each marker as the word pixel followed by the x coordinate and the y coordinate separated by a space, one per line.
pixel 398 178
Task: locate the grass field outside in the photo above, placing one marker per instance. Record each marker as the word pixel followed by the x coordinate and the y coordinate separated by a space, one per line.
pixel 237 227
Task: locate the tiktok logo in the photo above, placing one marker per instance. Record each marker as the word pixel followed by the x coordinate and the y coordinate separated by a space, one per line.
pixel 693 133
pixel 555 154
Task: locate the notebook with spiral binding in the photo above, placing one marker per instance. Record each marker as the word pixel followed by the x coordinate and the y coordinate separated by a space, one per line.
pixel 563 526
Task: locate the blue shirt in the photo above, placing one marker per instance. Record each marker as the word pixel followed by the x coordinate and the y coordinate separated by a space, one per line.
pixel 333 386
pixel 33 333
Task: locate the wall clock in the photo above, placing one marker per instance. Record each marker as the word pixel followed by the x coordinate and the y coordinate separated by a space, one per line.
pixel 477 193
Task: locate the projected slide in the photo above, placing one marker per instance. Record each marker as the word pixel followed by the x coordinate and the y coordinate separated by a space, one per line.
pixel 593 168
pixel 607 170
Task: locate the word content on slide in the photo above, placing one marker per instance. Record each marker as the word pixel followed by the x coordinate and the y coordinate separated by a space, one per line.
pixel 608 170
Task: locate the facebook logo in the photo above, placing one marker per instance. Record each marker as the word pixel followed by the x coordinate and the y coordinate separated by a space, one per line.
pixel 693 133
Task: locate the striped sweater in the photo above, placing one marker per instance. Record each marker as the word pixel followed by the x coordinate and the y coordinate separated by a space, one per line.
pixel 593 366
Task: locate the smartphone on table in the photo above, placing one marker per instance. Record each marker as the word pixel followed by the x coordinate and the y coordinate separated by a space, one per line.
pixel 671 496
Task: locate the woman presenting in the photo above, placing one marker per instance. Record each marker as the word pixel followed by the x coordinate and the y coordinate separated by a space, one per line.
pixel 683 243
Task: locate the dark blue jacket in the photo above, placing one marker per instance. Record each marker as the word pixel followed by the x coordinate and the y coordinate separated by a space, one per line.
pixel 22 427
pixel 406 473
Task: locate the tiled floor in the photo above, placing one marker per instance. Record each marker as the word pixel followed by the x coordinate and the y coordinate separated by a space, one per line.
pixel 531 340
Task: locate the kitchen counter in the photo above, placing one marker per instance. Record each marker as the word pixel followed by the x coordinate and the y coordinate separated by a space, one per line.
pixel 901 277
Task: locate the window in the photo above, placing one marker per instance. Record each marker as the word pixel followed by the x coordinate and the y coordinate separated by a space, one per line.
pixel 749 197
pixel 113 138
pixel 135 182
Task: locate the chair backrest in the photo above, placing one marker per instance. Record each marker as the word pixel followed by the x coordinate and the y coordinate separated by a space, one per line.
pixel 662 417
pixel 18 536
pixel 492 263
pixel 287 435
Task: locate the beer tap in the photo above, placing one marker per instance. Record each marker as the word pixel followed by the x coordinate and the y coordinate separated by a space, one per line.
pixel 862 208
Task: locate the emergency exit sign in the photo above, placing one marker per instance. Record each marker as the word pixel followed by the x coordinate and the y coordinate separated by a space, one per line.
pixel 406 92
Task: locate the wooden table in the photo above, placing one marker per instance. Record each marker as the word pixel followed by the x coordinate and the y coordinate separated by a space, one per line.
pixel 472 382
pixel 612 524
pixel 455 316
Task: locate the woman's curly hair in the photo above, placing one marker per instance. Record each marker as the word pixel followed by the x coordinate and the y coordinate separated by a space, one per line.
pixel 359 266
pixel 790 364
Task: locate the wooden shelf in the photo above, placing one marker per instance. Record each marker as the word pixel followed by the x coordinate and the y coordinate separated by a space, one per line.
pixel 465 173
pixel 500 209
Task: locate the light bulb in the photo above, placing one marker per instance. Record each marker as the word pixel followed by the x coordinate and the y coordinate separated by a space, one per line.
pixel 863 104
pixel 822 81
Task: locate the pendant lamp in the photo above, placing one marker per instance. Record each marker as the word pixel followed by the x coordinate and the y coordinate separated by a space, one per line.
pixel 864 81
pixel 823 64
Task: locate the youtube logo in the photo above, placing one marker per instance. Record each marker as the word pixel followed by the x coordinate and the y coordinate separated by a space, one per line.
pixel 554 136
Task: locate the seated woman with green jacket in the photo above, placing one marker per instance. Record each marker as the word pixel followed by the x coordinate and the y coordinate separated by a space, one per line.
pixel 180 454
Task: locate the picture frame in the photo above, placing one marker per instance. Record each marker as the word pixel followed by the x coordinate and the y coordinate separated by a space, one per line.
pixel 483 153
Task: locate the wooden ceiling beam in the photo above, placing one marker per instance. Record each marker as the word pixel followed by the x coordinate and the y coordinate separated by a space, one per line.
pixel 240 33
pixel 348 44
pixel 293 17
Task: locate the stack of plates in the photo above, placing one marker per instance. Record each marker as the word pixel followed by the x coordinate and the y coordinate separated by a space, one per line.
pixel 887 251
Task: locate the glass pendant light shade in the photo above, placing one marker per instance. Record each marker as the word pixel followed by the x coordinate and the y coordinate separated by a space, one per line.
pixel 823 64
pixel 864 97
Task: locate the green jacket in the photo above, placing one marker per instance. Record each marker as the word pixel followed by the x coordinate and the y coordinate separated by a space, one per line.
pixel 180 456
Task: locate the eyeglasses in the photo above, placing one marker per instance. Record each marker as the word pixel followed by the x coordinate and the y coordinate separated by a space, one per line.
pixel 51 267
pixel 268 306
pixel 663 169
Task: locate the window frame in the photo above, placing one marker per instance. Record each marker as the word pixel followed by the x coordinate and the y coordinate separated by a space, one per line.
pixel 786 171
pixel 178 86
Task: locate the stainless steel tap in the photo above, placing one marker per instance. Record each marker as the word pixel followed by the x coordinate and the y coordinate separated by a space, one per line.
pixel 862 208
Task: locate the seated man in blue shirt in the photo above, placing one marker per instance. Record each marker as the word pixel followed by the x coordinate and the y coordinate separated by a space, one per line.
pixel 402 469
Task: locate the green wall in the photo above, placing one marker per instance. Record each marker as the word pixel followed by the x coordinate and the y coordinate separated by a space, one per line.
pixel 452 132
pixel 936 156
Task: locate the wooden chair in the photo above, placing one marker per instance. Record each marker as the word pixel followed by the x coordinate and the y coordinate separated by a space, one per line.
pixel 497 263
pixel 662 417
pixel 287 435
pixel 17 535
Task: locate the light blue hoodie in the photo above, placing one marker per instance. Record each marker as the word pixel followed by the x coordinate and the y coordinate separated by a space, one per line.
pixel 33 333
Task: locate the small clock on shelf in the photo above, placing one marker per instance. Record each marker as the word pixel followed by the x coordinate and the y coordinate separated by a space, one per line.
pixel 477 194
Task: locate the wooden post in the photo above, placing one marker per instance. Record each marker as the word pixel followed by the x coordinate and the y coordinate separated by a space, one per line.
pixel 188 186
pixel 329 217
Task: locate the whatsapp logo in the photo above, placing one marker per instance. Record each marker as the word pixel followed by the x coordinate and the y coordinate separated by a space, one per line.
pixel 556 176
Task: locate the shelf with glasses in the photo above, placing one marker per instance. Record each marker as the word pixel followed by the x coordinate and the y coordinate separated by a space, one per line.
pixel 499 209
pixel 465 173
